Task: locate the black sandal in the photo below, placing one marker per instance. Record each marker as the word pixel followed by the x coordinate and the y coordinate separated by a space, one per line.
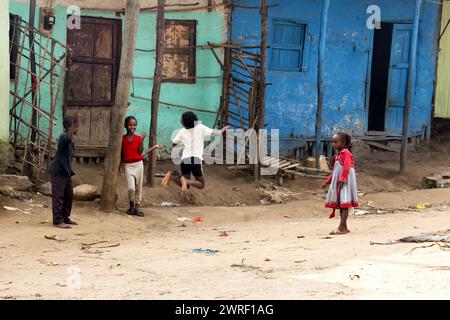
pixel 138 213
pixel 131 212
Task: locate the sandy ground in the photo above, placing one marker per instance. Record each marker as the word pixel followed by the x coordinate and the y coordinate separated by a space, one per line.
pixel 272 252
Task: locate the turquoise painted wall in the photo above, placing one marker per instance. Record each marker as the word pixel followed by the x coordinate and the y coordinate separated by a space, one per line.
pixel 4 72
pixel 204 94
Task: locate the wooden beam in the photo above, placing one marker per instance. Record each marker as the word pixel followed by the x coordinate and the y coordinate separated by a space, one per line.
pixel 156 90
pixel 321 78
pixel 28 170
pixel 261 113
pixel 119 109
pixel 411 85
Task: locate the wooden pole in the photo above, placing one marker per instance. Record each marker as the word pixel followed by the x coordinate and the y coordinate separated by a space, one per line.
pixel 261 114
pixel 119 109
pixel 160 28
pixel 32 65
pixel 320 79
pixel 411 85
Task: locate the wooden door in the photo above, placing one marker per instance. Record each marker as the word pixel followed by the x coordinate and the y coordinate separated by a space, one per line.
pixel 92 77
pixel 398 77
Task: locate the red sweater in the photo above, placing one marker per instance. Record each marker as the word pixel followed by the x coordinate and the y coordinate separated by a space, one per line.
pixel 345 158
pixel 130 149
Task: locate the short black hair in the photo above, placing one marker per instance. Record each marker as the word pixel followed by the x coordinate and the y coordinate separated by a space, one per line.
pixel 128 119
pixel 346 139
pixel 67 122
pixel 188 119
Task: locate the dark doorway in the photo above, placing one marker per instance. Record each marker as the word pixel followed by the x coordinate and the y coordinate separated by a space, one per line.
pixel 380 76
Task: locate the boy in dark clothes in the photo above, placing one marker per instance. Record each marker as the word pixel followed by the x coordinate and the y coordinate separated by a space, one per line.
pixel 61 174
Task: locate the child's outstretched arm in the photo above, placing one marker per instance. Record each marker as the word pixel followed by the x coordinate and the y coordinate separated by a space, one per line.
pixel 156 146
pixel 220 132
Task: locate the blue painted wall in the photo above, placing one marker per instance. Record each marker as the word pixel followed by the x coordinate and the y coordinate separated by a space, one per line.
pixel 292 96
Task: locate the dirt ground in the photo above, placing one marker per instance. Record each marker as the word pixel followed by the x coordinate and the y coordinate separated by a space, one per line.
pixel 268 252
pixel 272 252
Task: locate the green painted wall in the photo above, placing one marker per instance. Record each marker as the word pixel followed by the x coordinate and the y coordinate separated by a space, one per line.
pixel 442 108
pixel 24 80
pixel 4 71
pixel 204 94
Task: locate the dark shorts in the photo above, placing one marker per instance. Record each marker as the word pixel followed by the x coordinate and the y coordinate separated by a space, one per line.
pixel 192 166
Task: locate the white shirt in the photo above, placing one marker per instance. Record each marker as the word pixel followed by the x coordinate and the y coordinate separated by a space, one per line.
pixel 193 140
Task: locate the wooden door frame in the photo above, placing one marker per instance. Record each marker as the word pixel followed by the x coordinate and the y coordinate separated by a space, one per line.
pixel 117 50
pixel 368 86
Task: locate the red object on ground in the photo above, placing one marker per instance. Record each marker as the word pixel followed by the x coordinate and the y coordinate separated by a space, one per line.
pixel 224 234
pixel 198 219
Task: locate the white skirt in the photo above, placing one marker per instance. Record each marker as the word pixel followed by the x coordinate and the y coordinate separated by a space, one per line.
pixel 347 197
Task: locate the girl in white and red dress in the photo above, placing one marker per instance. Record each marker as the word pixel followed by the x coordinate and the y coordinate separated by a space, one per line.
pixel 342 193
pixel 132 161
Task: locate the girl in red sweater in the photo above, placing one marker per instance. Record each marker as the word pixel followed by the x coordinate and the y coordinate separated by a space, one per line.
pixel 342 193
pixel 132 161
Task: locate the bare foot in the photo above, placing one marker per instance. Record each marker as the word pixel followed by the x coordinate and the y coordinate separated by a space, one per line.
pixel 339 232
pixel 69 221
pixel 63 226
pixel 184 187
pixel 166 180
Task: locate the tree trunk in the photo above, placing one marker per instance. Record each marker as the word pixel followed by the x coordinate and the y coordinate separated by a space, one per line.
pixel 112 162
pixel 156 90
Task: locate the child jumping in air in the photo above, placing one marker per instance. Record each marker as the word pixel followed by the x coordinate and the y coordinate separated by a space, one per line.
pixel 61 174
pixel 133 162
pixel 342 193
pixel 192 137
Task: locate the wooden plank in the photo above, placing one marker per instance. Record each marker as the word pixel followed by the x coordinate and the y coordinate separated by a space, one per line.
pixel 240 167
pixel 299 174
pixel 312 170
pixel 381 146
pixel 377 133
pixel 269 160
pixel 274 164
pixel 292 166
pixel 286 165
pixel 100 124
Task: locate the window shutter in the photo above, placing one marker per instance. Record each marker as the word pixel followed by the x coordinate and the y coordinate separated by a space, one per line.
pixel 180 51
pixel 288 44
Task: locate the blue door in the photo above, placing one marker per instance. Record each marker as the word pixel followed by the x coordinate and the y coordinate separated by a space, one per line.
pixel 398 77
